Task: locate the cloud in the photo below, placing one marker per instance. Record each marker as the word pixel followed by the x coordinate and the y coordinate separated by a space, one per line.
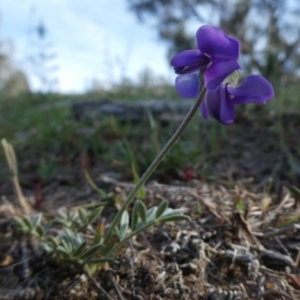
pixel 91 38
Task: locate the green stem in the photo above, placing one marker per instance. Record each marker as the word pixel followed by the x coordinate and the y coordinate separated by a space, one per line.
pixel 156 162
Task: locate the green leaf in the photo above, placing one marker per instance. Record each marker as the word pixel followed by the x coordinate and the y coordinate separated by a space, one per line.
pixel 65 243
pixel 78 239
pixel 46 227
pixel 77 225
pixel 62 215
pixel 95 214
pixel 73 216
pixel 20 222
pixel 67 240
pixel 113 240
pixel 93 185
pixel 39 229
pixel 142 211
pixel 61 250
pixel 171 212
pixel 124 223
pixel 151 212
pixel 54 241
pixel 75 239
pixel 161 208
pixel 28 223
pixel 37 219
pixel 80 249
pixel 83 216
pixel 98 234
pixel 47 247
pixel 90 252
pixel 134 217
pixel 141 192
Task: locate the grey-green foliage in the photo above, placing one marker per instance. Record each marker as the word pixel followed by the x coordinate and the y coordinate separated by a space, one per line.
pixel 77 220
pixel 32 226
pixel 265 45
pixel 142 218
pixel 72 246
pixel 63 236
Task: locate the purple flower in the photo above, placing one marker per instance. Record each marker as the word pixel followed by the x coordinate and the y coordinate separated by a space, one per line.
pixel 217 55
pixel 219 104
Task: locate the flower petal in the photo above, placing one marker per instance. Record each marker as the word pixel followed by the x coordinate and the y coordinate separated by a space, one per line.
pixel 254 89
pixel 216 73
pixel 187 86
pixel 203 109
pixel 220 106
pixel 216 44
pixel 186 70
pixel 189 61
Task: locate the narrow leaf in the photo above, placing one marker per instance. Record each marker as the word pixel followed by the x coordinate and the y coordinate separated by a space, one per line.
pixel 80 249
pixel 73 216
pixel 37 219
pixel 134 216
pixel 63 215
pixel 83 216
pixel 90 252
pixel 95 214
pixel 171 212
pixel 161 208
pixel 66 244
pixel 151 212
pixel 141 192
pixel 39 229
pixel 28 223
pixel 54 241
pixel 62 250
pixel 124 223
pixel 114 239
pixel 47 247
pixel 99 233
pixel 142 211
pixel 19 222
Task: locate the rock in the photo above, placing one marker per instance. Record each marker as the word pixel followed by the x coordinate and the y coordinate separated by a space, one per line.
pixel 164 111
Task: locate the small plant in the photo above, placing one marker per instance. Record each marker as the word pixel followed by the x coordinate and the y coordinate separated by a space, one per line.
pixel 216 60
pixel 77 220
pixel 32 226
pixel 66 236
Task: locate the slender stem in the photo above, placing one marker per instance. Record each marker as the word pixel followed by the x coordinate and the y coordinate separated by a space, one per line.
pixel 156 162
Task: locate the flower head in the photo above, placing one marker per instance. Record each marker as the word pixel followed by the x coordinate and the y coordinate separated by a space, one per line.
pixel 220 103
pixel 217 58
pixel 217 54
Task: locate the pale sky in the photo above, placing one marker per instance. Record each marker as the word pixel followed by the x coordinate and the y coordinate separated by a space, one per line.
pixel 92 39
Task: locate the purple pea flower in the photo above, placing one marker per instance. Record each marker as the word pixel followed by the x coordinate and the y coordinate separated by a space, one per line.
pixel 220 103
pixel 217 55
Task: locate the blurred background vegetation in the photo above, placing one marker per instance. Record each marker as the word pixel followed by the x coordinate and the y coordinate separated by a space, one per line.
pixel 49 142
pixel 269 30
